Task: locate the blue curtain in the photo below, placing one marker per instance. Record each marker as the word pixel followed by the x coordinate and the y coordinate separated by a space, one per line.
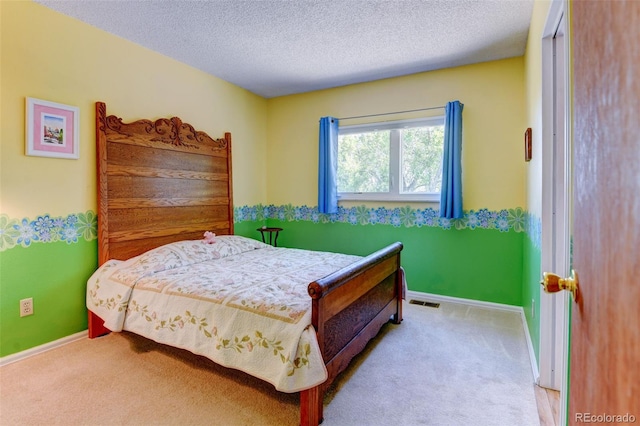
pixel 328 166
pixel 451 195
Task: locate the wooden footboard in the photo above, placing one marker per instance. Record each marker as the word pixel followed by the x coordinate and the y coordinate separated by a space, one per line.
pixel 349 308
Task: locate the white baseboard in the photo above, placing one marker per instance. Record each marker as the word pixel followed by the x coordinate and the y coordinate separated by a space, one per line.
pixel 42 348
pixel 430 297
pixel 477 303
pixel 532 354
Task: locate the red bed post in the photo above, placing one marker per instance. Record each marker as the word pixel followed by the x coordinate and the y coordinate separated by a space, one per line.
pixel 311 400
pixel 311 406
pixel 96 326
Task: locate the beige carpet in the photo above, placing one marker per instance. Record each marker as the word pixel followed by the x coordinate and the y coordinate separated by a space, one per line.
pixel 454 365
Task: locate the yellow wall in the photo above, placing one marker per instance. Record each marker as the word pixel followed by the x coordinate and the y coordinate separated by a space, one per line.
pixel 493 94
pixel 78 65
pixel 47 55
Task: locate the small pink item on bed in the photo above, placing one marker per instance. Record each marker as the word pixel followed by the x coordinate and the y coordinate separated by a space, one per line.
pixel 209 237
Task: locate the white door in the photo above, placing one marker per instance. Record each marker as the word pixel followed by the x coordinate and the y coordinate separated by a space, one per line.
pixel 556 183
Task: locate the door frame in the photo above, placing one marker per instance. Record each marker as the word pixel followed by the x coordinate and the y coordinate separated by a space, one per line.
pixel 556 225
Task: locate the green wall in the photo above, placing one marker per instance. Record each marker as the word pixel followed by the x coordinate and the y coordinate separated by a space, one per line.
pixel 479 257
pixel 55 276
pixel 531 280
pixel 485 256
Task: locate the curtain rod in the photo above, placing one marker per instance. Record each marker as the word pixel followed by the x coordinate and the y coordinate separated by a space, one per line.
pixel 390 113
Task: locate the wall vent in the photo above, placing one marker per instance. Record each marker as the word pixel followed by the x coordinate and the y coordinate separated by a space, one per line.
pixel 424 303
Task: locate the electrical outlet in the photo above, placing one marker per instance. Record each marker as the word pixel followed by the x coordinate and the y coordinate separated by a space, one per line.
pixel 26 307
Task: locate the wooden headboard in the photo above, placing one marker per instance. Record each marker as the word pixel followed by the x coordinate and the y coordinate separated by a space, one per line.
pixel 158 182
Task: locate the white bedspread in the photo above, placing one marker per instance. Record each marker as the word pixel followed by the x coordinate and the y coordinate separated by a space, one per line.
pixel 239 302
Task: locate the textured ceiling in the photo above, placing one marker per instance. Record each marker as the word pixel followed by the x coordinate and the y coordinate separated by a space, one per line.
pixel 274 48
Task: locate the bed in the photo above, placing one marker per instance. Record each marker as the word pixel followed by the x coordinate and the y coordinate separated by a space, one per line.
pixel 161 186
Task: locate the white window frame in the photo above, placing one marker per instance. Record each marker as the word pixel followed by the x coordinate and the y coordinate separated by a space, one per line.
pixel 394 160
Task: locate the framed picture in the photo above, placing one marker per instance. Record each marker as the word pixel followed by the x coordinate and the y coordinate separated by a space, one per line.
pixel 527 145
pixel 52 129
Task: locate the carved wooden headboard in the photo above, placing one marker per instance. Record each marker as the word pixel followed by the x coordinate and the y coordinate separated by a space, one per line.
pixel 158 182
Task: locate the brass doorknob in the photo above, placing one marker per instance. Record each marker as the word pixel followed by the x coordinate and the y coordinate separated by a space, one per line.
pixel 553 283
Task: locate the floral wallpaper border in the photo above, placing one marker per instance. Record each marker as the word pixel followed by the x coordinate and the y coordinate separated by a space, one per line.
pixel 47 229
pixel 503 220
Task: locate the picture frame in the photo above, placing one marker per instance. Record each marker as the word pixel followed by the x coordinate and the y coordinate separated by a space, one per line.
pixel 527 145
pixel 52 129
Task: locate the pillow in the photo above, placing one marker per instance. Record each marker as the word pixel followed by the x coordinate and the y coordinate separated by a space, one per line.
pixel 228 245
pixel 183 253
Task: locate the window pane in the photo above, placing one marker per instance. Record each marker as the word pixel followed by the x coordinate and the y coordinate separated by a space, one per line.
pixel 363 162
pixel 422 149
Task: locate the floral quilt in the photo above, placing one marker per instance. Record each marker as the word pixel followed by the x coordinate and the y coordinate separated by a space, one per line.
pixel 237 301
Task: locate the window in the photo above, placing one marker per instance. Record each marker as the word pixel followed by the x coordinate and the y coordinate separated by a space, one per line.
pixel 391 161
